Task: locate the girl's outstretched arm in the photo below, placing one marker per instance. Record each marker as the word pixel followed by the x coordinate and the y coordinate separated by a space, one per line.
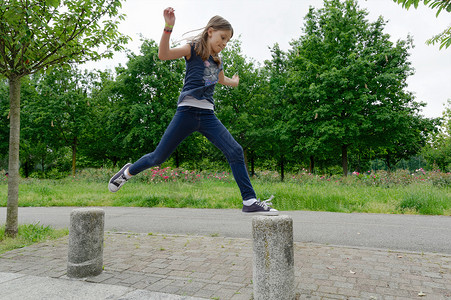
pixel 164 51
pixel 224 80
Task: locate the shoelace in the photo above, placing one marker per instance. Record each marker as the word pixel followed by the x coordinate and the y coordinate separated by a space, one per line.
pixel 120 180
pixel 266 203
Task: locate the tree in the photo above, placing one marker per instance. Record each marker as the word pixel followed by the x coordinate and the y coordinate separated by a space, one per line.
pixel 408 134
pixel 280 112
pixel 63 108
pixel 443 38
pixel 39 34
pixel 327 77
pixel 349 82
pixel 34 134
pixel 99 147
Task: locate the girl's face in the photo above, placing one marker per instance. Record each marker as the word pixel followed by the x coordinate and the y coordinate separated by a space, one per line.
pixel 217 40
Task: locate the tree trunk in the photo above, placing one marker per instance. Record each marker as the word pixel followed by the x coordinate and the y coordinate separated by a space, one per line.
pixel 11 227
pixel 282 168
pixel 388 162
pixel 115 160
pixel 344 159
pixel 26 168
pixel 74 155
pixel 312 164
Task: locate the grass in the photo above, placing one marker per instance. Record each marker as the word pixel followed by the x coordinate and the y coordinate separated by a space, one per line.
pixel 364 199
pixel 29 234
pixel 399 193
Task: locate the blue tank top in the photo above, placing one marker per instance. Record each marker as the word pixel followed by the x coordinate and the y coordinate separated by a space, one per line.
pixel 200 78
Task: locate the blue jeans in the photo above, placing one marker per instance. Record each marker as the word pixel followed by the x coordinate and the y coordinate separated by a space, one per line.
pixel 187 120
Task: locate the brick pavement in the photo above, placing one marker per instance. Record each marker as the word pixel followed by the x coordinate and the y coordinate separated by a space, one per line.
pixel 221 268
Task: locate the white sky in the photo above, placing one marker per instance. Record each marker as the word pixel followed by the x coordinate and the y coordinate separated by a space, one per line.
pixel 262 23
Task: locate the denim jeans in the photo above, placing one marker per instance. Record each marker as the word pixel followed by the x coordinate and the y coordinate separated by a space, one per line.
pixel 187 120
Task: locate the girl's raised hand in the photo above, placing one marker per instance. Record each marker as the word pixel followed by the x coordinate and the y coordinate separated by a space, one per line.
pixel 169 16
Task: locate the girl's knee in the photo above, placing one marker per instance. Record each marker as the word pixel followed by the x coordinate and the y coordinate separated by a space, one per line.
pixel 238 149
pixel 236 153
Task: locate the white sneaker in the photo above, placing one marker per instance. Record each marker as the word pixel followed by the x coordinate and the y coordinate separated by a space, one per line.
pixel 118 179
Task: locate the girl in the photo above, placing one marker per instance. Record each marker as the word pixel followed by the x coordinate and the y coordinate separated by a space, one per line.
pixel 195 111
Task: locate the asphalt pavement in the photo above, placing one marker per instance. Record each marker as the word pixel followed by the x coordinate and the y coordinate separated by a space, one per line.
pixel 393 232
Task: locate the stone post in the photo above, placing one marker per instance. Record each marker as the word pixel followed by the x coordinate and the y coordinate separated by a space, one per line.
pixel 273 269
pixel 85 256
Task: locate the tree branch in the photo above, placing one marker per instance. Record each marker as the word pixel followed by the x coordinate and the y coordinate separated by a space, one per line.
pixel 74 34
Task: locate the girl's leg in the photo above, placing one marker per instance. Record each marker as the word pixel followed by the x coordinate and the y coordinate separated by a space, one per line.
pixel 216 133
pixel 181 126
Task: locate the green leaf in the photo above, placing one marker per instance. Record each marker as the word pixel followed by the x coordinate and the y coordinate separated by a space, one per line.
pixel 54 3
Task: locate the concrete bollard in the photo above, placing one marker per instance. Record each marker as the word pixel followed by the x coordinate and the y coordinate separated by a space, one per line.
pixel 273 268
pixel 85 257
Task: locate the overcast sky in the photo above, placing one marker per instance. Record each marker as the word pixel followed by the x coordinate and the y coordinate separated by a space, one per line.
pixel 262 23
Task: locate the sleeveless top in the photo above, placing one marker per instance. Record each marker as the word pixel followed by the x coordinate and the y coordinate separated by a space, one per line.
pixel 200 78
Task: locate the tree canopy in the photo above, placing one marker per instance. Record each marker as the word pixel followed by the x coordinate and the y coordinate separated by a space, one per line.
pixel 39 34
pixel 348 82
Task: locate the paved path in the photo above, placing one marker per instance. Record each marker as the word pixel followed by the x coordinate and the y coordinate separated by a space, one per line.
pixel 139 265
pixel 211 261
pixel 395 232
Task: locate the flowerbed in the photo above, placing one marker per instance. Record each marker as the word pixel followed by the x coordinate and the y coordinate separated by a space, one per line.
pixel 155 175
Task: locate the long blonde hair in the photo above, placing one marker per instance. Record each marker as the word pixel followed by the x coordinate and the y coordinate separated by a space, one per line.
pixel 200 41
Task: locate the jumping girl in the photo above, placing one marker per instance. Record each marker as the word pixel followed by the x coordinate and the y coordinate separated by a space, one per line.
pixel 195 111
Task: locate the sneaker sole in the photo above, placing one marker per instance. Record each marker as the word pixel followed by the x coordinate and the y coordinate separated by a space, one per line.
pixel 262 213
pixel 113 188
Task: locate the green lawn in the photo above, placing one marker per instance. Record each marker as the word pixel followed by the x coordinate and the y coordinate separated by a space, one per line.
pixel 29 234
